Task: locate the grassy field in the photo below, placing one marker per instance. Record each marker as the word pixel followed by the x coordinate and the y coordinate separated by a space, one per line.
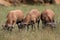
pixel 42 34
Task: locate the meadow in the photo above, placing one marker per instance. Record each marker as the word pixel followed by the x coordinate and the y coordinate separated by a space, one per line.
pixel 42 34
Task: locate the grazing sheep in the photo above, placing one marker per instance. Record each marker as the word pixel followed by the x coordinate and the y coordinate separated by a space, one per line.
pixel 47 18
pixel 13 17
pixel 31 18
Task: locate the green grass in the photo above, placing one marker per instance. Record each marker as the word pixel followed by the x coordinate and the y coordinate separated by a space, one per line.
pixel 42 34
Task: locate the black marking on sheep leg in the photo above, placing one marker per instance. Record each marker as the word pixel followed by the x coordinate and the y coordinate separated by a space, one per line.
pixel 38 24
pixel 33 25
pixel 43 25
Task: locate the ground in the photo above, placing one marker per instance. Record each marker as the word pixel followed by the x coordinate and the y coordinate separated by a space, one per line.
pixel 42 34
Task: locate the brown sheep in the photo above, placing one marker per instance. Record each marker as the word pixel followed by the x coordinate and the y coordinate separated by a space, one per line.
pixel 13 17
pixel 47 17
pixel 31 18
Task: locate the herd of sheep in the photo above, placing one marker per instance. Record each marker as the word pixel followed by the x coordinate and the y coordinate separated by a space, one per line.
pixel 32 17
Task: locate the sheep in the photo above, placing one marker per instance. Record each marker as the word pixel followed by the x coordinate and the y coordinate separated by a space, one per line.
pixel 47 17
pixel 13 17
pixel 31 18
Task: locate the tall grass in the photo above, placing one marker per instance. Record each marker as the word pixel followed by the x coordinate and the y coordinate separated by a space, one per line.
pixel 42 34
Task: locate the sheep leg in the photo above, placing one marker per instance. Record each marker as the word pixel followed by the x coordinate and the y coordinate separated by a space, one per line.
pixel 19 30
pixel 32 27
pixel 38 24
pixel 27 27
pixel 19 27
pixel 54 23
pixel 9 28
pixel 43 25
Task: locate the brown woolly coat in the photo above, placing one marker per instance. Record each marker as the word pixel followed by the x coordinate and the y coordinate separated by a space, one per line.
pixel 13 16
pixel 47 15
pixel 33 15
